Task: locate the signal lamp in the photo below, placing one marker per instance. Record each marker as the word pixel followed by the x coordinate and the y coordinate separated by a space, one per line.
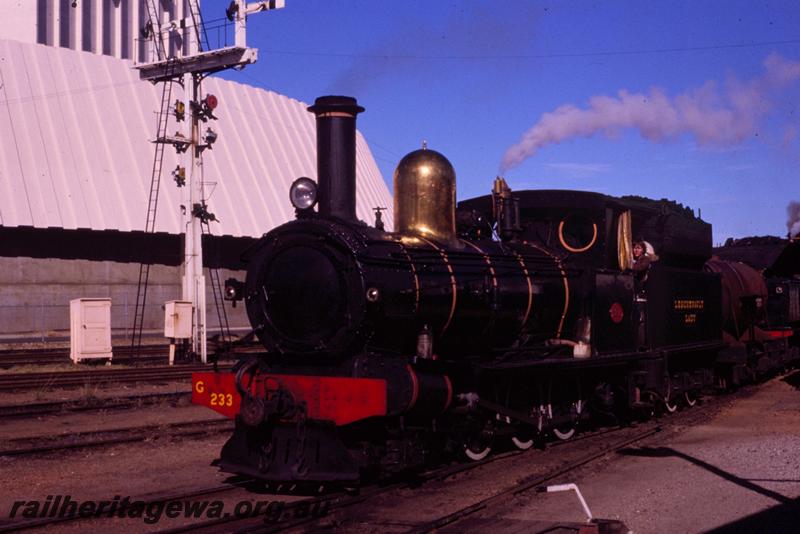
pixel 180 110
pixel 179 174
pixel 211 137
pixel 234 290
pixel 303 193
pixel 232 10
pixel 210 101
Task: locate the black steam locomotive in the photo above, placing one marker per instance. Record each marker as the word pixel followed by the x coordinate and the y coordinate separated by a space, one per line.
pixel 513 316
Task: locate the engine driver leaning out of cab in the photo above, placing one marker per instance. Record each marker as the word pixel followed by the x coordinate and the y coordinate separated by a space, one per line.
pixel 643 256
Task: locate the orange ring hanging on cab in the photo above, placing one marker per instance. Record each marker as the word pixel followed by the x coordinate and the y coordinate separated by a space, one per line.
pixel 573 249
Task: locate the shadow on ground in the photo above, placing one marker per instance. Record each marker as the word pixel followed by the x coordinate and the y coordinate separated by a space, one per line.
pixel 780 519
pixel 793 379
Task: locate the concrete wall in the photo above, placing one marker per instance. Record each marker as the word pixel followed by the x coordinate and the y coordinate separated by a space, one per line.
pixel 35 295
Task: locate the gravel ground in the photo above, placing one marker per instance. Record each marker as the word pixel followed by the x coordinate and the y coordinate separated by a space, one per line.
pixel 155 466
pixel 92 392
pixel 738 472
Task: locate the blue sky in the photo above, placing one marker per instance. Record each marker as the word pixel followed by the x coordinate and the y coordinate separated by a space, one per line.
pixel 706 122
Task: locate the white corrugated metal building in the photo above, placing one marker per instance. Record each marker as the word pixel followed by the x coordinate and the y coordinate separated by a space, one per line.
pixel 76 154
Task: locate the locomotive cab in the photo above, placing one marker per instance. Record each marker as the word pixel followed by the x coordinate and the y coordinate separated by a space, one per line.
pixel 593 234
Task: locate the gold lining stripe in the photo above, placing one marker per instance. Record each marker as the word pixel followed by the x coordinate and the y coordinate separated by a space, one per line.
pixel 452 284
pixel 416 276
pixel 566 284
pixel 571 249
pixel 491 271
pixel 336 114
pixel 485 259
pixel 530 289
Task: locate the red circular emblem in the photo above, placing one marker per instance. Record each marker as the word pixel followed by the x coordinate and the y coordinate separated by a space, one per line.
pixel 616 312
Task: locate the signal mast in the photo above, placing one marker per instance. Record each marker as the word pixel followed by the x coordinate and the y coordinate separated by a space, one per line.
pixel 179 53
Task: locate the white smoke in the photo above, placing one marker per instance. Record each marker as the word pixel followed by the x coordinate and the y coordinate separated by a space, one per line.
pixel 793 219
pixel 715 114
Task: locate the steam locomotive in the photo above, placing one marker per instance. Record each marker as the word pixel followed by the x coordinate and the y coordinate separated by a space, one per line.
pixel 512 316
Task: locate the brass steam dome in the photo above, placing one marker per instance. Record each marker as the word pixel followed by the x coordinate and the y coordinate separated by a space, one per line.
pixel 425 195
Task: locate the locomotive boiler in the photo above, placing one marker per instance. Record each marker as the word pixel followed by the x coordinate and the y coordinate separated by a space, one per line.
pixel 514 316
pixel 326 286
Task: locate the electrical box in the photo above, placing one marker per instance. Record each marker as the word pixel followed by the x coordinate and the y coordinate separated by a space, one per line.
pixel 90 329
pixel 178 319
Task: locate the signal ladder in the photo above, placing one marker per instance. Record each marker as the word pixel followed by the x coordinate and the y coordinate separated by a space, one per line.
pixel 154 31
pixel 199 27
pixel 219 302
pixel 152 203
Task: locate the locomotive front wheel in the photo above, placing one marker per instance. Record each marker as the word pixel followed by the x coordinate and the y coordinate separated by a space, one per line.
pixel 476 452
pixel 479 445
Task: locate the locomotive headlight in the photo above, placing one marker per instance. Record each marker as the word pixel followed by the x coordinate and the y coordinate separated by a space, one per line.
pixel 303 193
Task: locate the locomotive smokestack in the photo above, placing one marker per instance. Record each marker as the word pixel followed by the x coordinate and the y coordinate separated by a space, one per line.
pixel 336 155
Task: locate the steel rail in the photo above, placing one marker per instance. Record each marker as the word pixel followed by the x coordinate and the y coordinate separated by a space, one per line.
pixel 529 483
pixel 79 405
pixel 19 381
pixel 114 436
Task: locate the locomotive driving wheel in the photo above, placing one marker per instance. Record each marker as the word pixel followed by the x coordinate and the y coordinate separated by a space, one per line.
pixel 690 398
pixel 524 434
pixel 670 402
pixel 566 414
pixel 478 444
pixel 523 440
pixel 566 429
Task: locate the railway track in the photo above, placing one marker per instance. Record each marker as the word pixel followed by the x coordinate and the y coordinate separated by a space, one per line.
pixel 348 513
pixel 37 409
pixel 309 513
pixel 30 446
pixel 22 381
pixel 124 354
pixel 340 510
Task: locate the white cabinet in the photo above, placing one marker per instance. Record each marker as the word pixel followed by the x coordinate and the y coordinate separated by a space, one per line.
pixel 178 319
pixel 90 329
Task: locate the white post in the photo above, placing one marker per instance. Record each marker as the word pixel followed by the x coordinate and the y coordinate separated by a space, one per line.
pixel 133 30
pixel 116 24
pixel 240 25
pixel 76 28
pixel 97 27
pixel 194 283
pixel 54 22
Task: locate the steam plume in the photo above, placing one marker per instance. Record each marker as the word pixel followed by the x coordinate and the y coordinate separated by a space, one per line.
pixel 715 114
pixel 793 219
